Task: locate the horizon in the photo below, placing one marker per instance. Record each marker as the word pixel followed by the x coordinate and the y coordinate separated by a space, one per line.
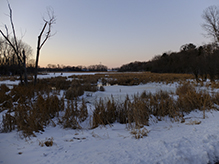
pixel 113 33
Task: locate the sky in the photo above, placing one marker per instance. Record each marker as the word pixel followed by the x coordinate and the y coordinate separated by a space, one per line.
pixel 110 32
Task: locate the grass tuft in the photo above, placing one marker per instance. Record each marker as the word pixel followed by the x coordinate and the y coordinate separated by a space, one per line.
pixel 139 133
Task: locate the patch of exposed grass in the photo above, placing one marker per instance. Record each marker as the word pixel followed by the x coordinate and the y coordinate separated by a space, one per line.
pixel 48 142
pixel 139 133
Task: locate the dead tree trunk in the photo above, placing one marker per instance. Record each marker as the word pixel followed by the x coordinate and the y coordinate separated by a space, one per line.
pixel 38 53
pixel 25 68
pixel 48 23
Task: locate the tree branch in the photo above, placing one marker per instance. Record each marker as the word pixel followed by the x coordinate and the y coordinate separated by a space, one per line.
pixel 13 29
pixel 211 26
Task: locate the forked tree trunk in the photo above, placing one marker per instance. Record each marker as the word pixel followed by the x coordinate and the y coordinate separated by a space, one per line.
pixel 25 68
pixel 39 45
pixel 48 22
pixel 37 60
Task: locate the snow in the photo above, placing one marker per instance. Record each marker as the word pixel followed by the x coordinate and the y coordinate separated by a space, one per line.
pixel 9 83
pixel 65 74
pixel 167 142
pixel 120 92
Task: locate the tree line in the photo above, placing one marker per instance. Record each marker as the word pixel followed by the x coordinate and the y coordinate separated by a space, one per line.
pixel 201 61
pixel 63 68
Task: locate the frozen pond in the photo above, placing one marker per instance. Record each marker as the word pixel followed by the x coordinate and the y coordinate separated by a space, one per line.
pixel 120 92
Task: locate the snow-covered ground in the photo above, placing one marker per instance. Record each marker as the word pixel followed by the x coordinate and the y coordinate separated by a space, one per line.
pixel 167 142
pixel 120 92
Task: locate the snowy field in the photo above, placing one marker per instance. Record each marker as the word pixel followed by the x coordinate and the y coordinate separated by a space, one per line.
pixel 167 142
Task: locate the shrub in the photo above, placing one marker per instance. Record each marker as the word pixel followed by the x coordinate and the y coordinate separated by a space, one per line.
pixel 90 87
pixel 73 93
pixel 60 83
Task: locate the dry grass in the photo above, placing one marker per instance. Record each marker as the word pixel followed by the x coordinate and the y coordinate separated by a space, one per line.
pixel 32 108
pixel 133 113
pixel 48 142
pixel 133 78
pixel 8 123
pixel 82 113
pixel 74 114
pixel 73 93
pixel 185 88
pixel 145 77
pixel 161 104
pixel 139 133
pixel 11 78
pixel 215 98
pixel 4 88
pixel 189 99
pixel 69 120
pixel 215 84
pixel 78 87
pixel 30 117
pixel 5 99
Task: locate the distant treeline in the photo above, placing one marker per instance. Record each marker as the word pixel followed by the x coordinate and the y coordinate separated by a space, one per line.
pixel 57 68
pixel 201 61
pixel 13 69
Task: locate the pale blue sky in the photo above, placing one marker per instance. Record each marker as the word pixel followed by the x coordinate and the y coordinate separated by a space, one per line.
pixel 113 32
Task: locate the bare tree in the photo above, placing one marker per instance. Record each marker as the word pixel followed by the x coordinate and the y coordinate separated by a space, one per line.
pixel 21 57
pixel 47 25
pixel 211 25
